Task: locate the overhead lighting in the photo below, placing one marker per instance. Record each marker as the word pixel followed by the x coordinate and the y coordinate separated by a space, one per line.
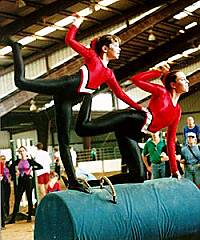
pixel 135 19
pixel 45 31
pixel 190 51
pixel 5 50
pixel 20 3
pixel 175 57
pixel 180 15
pixel 85 12
pixel 193 7
pixel 191 25
pixel 181 31
pixel 106 3
pixel 121 27
pixel 27 40
pixel 187 11
pixel 33 107
pixel 151 36
pixel 65 21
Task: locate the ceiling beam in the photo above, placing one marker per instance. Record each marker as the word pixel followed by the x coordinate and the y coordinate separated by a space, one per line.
pixel 12 102
pixel 163 52
pixel 148 59
pixel 32 18
pixel 153 19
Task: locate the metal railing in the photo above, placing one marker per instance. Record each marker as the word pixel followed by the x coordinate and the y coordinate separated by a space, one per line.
pixel 105 153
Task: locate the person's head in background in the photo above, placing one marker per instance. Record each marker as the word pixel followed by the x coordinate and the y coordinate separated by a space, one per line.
pixel 190 122
pixel 3 159
pixel 56 149
pixel 53 178
pixel 39 146
pixel 191 138
pixel 22 152
pixel 156 136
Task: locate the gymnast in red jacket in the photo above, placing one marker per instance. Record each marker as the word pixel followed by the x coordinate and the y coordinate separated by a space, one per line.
pixel 129 125
pixel 69 90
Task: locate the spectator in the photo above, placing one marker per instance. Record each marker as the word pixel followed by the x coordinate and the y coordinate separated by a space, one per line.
pixel 6 185
pixel 165 158
pixel 93 154
pixel 191 159
pixel 153 148
pixel 54 183
pixel 42 157
pixel 2 220
pixel 25 165
pixel 191 127
pixel 57 161
pixel 74 156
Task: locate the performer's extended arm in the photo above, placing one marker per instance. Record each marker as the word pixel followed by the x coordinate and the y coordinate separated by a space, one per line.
pixel 70 39
pixel 171 148
pixel 117 90
pixel 141 81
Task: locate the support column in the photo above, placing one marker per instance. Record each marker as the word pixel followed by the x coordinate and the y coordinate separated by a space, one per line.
pixel 43 124
pixel 87 142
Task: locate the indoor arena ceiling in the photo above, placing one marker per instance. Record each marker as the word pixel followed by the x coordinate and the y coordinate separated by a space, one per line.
pixel 151 31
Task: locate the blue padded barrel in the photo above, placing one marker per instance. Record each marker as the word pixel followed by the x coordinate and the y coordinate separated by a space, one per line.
pixel 157 209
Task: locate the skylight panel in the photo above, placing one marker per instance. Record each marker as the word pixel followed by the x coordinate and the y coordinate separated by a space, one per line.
pixel 180 15
pixel 45 31
pixel 192 24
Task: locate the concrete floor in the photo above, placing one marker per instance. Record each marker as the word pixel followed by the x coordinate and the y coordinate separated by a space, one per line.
pixel 20 230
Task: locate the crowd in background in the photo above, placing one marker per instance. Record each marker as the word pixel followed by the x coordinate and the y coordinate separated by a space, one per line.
pixel 28 173
pixel 156 159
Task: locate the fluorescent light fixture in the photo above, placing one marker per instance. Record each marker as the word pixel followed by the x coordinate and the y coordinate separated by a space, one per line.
pixel 175 57
pixel 193 7
pixel 106 3
pixel 181 31
pixel 27 40
pixel 5 50
pixel 118 29
pixel 191 25
pixel 135 19
pixel 65 21
pixel 85 12
pixel 45 31
pixel 190 51
pixel 180 15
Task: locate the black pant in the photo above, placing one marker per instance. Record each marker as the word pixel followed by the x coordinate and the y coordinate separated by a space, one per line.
pixel 64 91
pixel 7 191
pixel 25 184
pixel 2 204
pixel 126 124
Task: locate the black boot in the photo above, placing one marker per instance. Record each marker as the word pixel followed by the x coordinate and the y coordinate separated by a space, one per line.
pixel 12 220
pixel 79 185
pixel 29 218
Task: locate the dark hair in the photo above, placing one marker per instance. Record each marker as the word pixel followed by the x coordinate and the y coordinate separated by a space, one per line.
pixel 56 148
pixel 39 145
pixel 170 77
pixel 23 148
pixel 105 40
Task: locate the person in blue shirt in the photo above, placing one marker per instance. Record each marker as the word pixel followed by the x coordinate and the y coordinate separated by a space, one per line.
pixel 191 127
pixel 191 159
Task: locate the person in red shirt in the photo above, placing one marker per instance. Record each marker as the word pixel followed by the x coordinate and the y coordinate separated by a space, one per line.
pixel 129 125
pixel 69 90
pixel 54 183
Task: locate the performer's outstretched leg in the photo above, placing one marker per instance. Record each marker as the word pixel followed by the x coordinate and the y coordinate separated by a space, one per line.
pixel 110 122
pixel 127 125
pixel 63 121
pixel 64 85
pixel 131 155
